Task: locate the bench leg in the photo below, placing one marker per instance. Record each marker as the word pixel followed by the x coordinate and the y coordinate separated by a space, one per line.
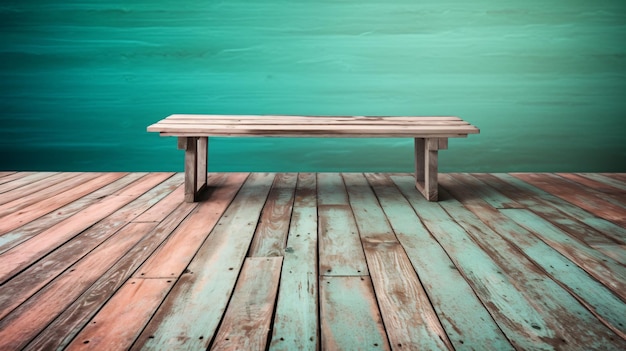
pixel 426 152
pixel 196 152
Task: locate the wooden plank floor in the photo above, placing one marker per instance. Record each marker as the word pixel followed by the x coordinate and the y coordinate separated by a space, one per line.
pixel 116 261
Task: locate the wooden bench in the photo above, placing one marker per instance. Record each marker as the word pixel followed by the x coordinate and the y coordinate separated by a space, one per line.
pixel 430 133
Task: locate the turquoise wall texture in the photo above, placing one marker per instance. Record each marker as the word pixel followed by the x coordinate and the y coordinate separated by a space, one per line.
pixel 544 80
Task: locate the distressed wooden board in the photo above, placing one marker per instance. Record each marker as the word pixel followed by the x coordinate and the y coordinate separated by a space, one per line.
pixel 410 320
pixel 23 210
pixel 370 218
pixel 164 207
pixel 21 256
pixel 313 119
pixel 601 267
pixel 64 328
pixel 603 304
pixel 577 195
pixel 296 319
pixel 24 184
pixel 246 323
pixel 483 191
pixel 25 232
pixel 70 181
pixel 309 124
pixel 331 189
pixel 615 251
pixel 466 321
pixel 596 297
pixel 184 321
pixel 209 125
pixel 535 198
pixel 119 322
pixel 617 176
pixel 24 323
pixel 599 189
pixel 373 133
pixel 271 233
pixel 532 310
pixel 350 319
pixel 289 128
pixel 41 272
pixel 606 181
pixel 160 210
pixel 570 225
pixel 340 251
pixel 174 255
pixel 24 194
pixel 4 174
pixel 11 176
pixel 117 185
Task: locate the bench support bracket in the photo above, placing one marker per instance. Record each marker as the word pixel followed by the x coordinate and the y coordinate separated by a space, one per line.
pixel 196 157
pixel 426 165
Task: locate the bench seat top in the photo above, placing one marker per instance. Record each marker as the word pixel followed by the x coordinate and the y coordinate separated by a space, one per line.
pixel 185 125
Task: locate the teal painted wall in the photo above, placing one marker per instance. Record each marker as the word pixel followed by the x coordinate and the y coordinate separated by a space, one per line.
pixel 544 80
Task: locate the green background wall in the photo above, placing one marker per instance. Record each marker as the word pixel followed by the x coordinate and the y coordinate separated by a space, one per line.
pixel 544 80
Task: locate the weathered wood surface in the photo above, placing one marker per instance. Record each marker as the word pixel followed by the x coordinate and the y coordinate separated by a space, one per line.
pixel 296 322
pixel 271 233
pixel 246 323
pixel 578 195
pixel 120 261
pixel 281 126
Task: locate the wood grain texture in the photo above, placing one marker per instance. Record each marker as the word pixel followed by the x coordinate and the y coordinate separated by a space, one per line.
pixel 6 173
pixel 296 319
pixel 174 255
pixel 601 189
pixel 117 325
pixel 593 294
pixel 182 321
pixel 246 323
pixel 465 320
pixel 545 209
pixel 163 208
pixel 529 308
pixel 191 169
pixel 370 218
pixel 331 190
pixel 548 207
pixel 350 319
pixel 485 266
pixel 601 267
pixel 426 166
pixel 530 196
pixel 41 272
pixel 12 175
pixel 410 319
pixel 607 182
pixel 18 328
pixel 19 257
pixel 203 163
pixel 208 125
pixel 30 207
pixel 271 233
pixel 25 232
pixel 26 185
pixel 340 251
pixel 577 195
pixel 313 119
pixel 68 180
pixel 64 328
